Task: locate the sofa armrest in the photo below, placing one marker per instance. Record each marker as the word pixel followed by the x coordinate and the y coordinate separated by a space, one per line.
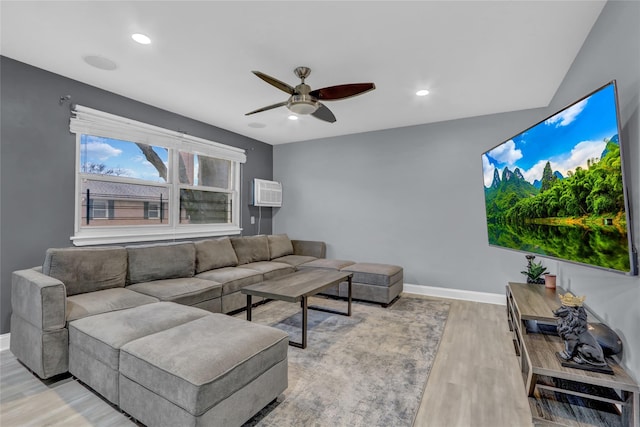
pixel 39 299
pixel 309 248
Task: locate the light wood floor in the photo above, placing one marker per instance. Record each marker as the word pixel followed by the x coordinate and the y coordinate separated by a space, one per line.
pixel 475 381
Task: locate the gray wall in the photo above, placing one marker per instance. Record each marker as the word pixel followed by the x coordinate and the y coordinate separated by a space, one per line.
pixel 37 162
pixel 414 197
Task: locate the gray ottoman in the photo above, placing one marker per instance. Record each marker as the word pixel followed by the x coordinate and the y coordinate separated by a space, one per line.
pixel 95 341
pixel 381 283
pixel 214 371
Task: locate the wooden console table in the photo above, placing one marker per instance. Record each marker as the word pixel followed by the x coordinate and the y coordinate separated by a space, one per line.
pixel 559 395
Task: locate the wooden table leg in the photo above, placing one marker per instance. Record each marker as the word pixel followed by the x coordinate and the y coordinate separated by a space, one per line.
pixel 532 380
pixel 631 411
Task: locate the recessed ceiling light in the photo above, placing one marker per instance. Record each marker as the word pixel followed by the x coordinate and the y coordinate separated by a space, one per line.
pixel 141 38
pixel 422 92
pixel 293 117
pixel 100 62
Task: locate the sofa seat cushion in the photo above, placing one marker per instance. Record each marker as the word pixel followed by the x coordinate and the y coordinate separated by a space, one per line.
pixel 327 264
pixel 161 261
pixel 214 253
pixel 251 248
pixel 102 336
pixel 270 269
pixel 279 245
pixel 232 278
pixel 187 290
pixel 92 303
pixel 87 269
pixel 295 260
pixel 375 274
pixel 199 364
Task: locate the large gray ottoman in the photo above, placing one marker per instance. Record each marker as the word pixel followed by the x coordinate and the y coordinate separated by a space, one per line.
pixel 214 371
pixel 95 341
pixel 381 283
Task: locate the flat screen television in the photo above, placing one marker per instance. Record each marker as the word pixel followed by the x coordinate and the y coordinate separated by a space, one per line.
pixel 557 189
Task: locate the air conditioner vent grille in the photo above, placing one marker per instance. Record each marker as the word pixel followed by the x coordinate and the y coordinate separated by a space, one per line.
pixel 267 193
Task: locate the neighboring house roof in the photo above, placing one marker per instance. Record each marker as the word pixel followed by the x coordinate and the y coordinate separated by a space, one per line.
pixel 119 190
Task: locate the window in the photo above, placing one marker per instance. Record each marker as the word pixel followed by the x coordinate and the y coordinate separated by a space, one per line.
pixel 203 180
pixel 99 209
pixel 137 182
pixel 153 210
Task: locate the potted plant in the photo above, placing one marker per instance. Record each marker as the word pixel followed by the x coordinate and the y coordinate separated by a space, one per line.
pixel 550 281
pixel 534 271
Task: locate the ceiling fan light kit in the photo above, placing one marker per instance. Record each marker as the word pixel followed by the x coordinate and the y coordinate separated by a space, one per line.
pixel 304 101
pixel 302 104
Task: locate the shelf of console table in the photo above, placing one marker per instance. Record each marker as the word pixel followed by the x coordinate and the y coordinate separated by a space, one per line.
pixel 560 395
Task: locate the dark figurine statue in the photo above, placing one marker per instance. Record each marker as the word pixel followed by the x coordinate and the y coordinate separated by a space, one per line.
pixel 580 346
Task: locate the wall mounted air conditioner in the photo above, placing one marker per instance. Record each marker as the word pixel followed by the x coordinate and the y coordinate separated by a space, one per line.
pixel 267 193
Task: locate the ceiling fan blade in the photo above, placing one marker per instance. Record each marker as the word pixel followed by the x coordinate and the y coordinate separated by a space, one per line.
pixel 268 107
pixel 333 93
pixel 275 82
pixel 323 113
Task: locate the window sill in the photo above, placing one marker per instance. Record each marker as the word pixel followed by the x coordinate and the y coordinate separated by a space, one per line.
pixel 108 236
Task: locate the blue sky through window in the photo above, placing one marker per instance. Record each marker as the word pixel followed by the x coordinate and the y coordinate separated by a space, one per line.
pixel 123 157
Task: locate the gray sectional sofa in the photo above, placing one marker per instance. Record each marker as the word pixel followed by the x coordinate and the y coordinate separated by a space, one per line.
pixel 142 324
pixel 74 283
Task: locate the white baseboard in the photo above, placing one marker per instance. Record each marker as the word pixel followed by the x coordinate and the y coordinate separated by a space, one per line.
pixel 434 291
pixel 4 341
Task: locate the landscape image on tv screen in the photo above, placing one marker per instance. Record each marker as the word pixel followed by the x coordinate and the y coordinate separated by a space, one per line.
pixel 556 189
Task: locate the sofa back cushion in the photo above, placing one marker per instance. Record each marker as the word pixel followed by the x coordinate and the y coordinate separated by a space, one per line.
pixel 161 261
pixel 85 270
pixel 251 248
pixel 279 245
pixel 214 253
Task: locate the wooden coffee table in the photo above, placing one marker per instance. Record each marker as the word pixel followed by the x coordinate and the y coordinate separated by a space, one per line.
pixel 300 286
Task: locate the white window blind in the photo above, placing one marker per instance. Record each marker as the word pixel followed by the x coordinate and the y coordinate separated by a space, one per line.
pixel 93 122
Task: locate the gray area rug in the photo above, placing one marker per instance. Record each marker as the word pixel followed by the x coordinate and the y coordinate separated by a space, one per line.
pixel 369 369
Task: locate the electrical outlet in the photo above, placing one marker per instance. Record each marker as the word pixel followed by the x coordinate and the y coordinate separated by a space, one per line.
pixel 253 220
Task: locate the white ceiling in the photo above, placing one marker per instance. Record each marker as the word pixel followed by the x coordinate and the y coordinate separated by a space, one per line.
pixel 476 57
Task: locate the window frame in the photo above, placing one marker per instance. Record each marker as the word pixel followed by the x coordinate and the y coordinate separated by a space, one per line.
pixel 88 121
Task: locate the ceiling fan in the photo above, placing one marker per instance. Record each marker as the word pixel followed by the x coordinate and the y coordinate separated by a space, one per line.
pixel 303 100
